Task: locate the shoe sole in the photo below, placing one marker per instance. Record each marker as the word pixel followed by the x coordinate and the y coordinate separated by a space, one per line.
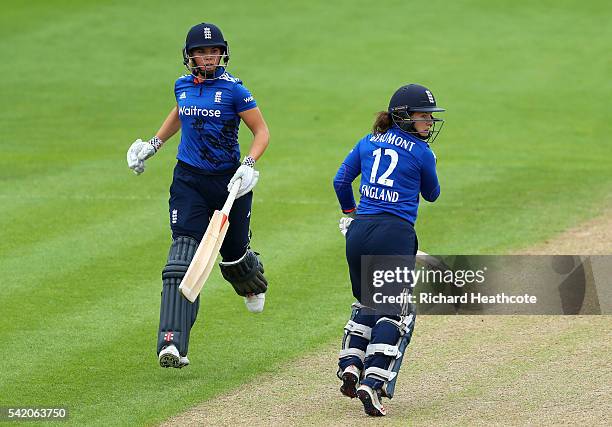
pixel 349 385
pixel 368 405
pixel 169 361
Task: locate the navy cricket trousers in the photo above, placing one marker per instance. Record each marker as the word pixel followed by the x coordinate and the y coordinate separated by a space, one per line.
pixel 195 195
pixel 381 234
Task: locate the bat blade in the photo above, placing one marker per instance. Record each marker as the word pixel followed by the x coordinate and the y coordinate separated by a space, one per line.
pixel 205 257
pixel 431 262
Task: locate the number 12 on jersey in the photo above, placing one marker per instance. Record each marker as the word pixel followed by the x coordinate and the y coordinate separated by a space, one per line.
pixel 384 178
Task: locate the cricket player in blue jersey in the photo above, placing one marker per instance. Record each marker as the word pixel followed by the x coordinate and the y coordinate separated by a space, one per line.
pixel 396 165
pixel 210 103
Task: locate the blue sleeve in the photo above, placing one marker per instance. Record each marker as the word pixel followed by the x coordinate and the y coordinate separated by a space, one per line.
pixel 348 171
pixel 430 187
pixel 176 91
pixel 179 86
pixel 243 100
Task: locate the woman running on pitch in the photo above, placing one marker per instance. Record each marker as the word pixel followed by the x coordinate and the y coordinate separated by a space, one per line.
pixel 210 103
pixel 396 165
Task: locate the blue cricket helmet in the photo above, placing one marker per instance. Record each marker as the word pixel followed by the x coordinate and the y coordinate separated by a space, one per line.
pixel 205 35
pixel 414 98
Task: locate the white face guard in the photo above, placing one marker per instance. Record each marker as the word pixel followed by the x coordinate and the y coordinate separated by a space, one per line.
pixel 403 120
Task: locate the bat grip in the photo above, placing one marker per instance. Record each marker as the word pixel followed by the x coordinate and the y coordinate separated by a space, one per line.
pixel 232 196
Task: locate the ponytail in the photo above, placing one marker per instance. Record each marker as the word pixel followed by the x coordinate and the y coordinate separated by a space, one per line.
pixel 383 123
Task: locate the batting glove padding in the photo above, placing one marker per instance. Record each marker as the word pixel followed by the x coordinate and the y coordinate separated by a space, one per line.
pixel 138 152
pixel 248 175
pixel 344 224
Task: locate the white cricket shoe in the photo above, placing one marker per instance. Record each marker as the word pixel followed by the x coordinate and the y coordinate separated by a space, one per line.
pixel 255 302
pixel 169 357
pixel 183 361
pixel 350 378
pixel 371 401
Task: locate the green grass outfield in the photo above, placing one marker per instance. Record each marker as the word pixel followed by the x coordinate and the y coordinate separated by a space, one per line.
pixel 524 154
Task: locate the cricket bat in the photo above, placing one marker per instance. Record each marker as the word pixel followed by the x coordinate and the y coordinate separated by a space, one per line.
pixel 205 257
pixel 432 262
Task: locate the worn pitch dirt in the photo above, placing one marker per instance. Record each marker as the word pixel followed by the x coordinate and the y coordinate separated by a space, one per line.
pixel 459 370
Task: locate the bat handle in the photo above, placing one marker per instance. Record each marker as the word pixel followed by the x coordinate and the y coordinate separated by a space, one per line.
pixel 232 196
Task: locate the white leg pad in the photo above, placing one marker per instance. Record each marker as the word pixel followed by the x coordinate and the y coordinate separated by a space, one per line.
pixel 352 352
pixel 405 328
pixel 381 374
pixel 352 330
pixel 383 350
pixel 358 329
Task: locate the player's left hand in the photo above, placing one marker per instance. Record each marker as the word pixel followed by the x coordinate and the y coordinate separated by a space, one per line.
pixel 138 152
pixel 249 177
pixel 344 224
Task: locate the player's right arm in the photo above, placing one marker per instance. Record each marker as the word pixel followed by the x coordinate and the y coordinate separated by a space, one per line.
pixel 348 171
pixel 430 186
pixel 171 125
pixel 141 150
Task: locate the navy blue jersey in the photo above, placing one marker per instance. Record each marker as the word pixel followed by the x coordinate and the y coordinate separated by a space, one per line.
pixel 395 167
pixel 209 117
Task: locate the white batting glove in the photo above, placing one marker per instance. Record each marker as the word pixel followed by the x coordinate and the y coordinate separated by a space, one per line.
pixel 344 224
pixel 140 151
pixel 248 175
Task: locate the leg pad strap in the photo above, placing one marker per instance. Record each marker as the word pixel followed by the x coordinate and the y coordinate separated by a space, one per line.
pixel 384 350
pixel 358 330
pixel 353 352
pixel 381 374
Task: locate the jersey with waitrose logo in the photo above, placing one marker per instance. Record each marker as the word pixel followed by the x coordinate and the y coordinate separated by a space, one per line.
pixel 395 167
pixel 209 117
